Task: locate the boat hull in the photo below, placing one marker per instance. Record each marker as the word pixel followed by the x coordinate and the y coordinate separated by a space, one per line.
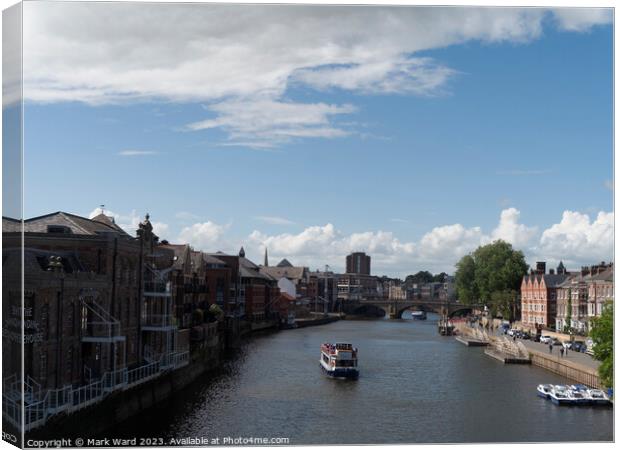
pixel 341 373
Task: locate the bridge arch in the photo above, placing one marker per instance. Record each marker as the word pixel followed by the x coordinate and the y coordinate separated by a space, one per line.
pixel 415 307
pixel 370 310
pixel 461 311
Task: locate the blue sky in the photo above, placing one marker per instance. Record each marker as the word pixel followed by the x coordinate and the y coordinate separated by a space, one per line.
pixel 414 164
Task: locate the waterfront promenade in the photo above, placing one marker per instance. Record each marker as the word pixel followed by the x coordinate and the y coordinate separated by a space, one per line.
pixel 578 358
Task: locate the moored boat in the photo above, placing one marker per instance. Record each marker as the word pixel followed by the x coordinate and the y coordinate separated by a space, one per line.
pixel 418 315
pixel 560 395
pixel 544 390
pixel 339 361
pixel 598 397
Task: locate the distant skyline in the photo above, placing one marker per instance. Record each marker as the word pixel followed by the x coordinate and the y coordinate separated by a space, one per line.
pixel 414 134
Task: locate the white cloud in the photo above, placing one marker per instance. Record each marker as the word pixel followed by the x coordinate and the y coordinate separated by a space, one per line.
pixel 574 240
pixel 582 19
pixel 510 230
pixel 577 240
pixel 263 123
pixel 420 76
pixel 238 57
pixel 274 220
pixel 204 236
pixel 137 153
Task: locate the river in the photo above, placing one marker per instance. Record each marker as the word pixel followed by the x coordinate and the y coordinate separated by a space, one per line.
pixel 414 387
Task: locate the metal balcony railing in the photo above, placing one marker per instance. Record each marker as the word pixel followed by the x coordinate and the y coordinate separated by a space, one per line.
pixel 69 399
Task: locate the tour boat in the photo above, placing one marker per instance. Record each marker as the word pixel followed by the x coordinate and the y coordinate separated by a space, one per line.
pixel 544 390
pixel 560 395
pixel 598 397
pixel 418 315
pixel 339 361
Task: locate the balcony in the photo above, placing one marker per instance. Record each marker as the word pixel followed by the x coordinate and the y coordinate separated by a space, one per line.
pixel 99 325
pixel 158 322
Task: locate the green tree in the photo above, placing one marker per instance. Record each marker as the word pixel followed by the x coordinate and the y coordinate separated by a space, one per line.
pixel 466 289
pixel 423 276
pixel 602 334
pixel 440 277
pixel 492 275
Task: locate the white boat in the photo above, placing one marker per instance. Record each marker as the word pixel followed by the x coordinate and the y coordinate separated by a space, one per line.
pixel 339 361
pixel 418 315
pixel 560 395
pixel 544 390
pixel 579 397
pixel 598 397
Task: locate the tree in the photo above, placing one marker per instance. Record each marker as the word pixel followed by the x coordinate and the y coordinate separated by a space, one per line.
pixel 602 334
pixel 492 275
pixel 423 276
pixel 440 277
pixel 466 289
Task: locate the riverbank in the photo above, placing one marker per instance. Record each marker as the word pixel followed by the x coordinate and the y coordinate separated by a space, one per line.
pixel 317 319
pixel 575 366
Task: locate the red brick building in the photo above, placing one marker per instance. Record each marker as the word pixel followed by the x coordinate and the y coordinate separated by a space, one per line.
pixel 539 296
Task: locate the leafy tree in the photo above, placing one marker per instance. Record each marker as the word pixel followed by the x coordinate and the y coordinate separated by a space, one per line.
pixel 466 289
pixel 492 275
pixel 602 334
pixel 440 277
pixel 423 276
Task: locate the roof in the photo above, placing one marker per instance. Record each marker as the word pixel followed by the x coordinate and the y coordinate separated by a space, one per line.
pixel 36 260
pixel 551 280
pixel 605 275
pixel 248 269
pixel 290 272
pixel 179 254
pixel 76 224
pixel 284 263
pixel 10 225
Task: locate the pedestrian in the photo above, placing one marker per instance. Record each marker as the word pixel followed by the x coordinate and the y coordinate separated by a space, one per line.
pixel 562 352
pixel 550 347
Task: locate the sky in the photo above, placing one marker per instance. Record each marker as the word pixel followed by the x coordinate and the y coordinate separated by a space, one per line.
pixel 414 134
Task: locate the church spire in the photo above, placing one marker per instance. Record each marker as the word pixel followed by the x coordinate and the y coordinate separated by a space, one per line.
pixel 266 260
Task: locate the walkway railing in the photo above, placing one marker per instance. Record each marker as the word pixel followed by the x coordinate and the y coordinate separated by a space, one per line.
pixel 39 406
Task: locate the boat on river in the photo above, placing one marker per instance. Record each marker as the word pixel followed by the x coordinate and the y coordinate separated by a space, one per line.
pixel 339 361
pixel 598 397
pixel 544 390
pixel 560 395
pixel 418 315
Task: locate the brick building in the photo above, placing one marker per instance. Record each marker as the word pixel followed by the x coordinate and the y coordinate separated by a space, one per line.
pixel 539 295
pixel 358 262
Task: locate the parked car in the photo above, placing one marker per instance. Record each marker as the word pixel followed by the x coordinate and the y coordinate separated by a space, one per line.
pixel 545 339
pixel 579 346
pixel 526 336
pixel 557 342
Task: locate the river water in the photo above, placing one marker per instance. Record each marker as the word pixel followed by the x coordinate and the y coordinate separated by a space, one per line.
pixel 414 387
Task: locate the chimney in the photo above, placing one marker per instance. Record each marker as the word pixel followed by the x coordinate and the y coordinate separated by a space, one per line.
pixel 541 267
pixel 551 272
pixel 585 270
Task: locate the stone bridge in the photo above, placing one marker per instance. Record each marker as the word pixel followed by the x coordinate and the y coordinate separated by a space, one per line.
pixel 395 308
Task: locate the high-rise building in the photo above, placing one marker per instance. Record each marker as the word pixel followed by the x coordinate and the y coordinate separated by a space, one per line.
pixel 358 262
